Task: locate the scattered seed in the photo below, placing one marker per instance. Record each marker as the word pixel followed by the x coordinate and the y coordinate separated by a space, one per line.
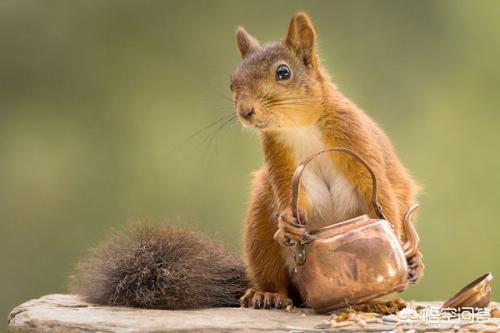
pixel 342 324
pixel 373 320
pixel 323 326
pixel 381 307
pixel 490 330
pixel 391 318
pixel 342 317
pixel 399 330
pixel 361 322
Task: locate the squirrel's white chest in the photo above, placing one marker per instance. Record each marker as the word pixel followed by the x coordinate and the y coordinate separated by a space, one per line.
pixel 333 196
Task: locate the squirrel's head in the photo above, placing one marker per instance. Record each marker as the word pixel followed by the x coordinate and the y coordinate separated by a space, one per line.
pixel 279 85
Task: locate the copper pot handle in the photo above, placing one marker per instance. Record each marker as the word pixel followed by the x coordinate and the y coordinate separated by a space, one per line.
pixel 410 247
pixel 300 169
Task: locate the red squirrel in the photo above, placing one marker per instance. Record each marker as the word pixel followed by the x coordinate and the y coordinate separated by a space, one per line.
pixel 282 91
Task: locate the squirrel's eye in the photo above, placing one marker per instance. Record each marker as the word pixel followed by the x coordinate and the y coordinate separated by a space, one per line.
pixel 283 73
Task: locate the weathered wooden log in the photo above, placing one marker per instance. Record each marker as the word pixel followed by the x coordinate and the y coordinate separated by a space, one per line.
pixel 68 313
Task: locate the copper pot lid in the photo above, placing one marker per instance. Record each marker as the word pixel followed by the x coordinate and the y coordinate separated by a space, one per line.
pixel 475 294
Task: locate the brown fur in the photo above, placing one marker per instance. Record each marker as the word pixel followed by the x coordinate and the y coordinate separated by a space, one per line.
pixel 308 99
pixel 160 267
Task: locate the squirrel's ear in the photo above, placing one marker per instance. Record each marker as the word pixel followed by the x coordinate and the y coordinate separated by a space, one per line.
pixel 246 43
pixel 301 38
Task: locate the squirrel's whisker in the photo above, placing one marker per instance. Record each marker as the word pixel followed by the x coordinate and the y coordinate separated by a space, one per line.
pixel 211 139
pixel 202 130
pixel 213 123
pixel 233 103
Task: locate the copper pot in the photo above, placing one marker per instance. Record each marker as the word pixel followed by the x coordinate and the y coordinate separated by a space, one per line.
pixel 353 261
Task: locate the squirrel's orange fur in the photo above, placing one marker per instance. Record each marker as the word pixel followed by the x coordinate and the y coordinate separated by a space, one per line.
pixel 295 117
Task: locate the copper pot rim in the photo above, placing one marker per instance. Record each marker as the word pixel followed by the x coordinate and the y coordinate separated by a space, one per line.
pixel 341 224
pixel 470 290
pixel 353 225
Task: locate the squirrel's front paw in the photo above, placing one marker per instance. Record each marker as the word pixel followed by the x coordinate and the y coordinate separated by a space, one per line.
pixel 416 268
pixel 290 231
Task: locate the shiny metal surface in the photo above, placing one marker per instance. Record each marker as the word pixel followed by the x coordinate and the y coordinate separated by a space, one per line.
pixel 475 294
pixel 352 262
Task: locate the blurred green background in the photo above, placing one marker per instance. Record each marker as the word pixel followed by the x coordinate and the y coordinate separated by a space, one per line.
pixel 98 100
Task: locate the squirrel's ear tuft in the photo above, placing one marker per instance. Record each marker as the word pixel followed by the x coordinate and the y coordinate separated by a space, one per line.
pixel 245 42
pixel 301 38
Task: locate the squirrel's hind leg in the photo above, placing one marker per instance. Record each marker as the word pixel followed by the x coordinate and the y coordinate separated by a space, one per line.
pixel 264 300
pixel 265 265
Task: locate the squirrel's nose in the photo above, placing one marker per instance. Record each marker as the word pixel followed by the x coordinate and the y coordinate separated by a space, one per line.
pixel 246 112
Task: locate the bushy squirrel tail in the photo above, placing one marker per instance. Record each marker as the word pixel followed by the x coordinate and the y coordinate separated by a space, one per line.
pixel 160 267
